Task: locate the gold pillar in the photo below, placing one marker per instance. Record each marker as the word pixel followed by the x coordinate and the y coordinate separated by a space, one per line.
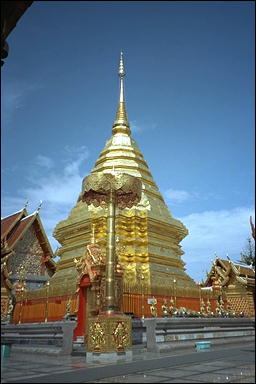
pixel 110 251
pixel 110 331
pixel 174 293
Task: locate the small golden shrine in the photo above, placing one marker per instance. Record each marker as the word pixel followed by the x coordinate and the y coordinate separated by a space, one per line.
pixel 235 282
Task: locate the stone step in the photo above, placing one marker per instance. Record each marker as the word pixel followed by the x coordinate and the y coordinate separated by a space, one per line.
pixel 180 345
pixel 45 350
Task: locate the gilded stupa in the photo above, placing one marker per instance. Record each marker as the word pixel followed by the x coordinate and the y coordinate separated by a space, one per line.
pixel 148 236
pixel 147 244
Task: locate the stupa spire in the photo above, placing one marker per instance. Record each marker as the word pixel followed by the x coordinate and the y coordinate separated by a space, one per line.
pixel 121 124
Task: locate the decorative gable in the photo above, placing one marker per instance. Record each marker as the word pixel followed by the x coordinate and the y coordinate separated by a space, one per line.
pixel 27 253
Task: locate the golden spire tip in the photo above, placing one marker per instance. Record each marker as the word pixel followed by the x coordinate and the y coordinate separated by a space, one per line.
pixel 121 70
pixel 121 123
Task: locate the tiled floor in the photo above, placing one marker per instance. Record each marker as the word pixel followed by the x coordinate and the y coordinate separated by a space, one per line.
pixel 182 367
pixel 203 373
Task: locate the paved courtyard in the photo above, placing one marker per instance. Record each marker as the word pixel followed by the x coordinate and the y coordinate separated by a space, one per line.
pixel 234 364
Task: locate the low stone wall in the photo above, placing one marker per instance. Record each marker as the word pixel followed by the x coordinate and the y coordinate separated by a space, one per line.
pixel 48 338
pixel 164 334
pixel 155 334
pixel 138 332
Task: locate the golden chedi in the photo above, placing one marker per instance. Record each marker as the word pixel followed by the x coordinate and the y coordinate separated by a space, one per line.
pixel 148 236
pixel 148 240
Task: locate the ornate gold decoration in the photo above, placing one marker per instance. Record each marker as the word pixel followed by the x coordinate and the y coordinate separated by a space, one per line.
pixel 6 285
pixel 208 307
pixel 4 308
pixel 172 307
pixel 165 311
pixel 97 336
pixel 121 336
pixel 97 189
pixel 202 307
pixel 114 189
pixel 92 257
pixel 108 333
pixel 7 310
pixel 220 306
pixel 153 308
pixel 93 263
pixel 229 305
pixel 123 191
pixel 68 310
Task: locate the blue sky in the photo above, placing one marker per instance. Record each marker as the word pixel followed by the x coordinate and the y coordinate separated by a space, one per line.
pixel 190 101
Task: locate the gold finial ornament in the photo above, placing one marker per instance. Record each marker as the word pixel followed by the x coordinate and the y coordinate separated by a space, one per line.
pixel 121 124
pixel 121 71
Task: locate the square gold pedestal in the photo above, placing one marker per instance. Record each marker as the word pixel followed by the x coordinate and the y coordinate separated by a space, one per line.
pixel 109 333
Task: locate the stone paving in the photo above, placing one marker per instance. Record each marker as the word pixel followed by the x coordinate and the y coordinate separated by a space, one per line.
pixel 234 364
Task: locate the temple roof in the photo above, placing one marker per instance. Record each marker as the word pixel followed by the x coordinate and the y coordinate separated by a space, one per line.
pixel 14 226
pixel 8 223
pixel 240 270
pixel 224 269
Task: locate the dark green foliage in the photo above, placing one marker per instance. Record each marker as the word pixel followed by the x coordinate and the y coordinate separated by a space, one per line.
pixel 248 254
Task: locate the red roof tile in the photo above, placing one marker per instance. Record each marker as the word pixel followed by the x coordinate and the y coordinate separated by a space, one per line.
pixel 9 222
pixel 23 224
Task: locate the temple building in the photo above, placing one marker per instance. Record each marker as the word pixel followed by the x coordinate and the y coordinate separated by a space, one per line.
pixel 26 255
pixel 236 282
pixel 147 244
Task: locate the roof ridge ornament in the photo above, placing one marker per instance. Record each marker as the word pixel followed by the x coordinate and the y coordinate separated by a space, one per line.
pixel 39 206
pixel 121 124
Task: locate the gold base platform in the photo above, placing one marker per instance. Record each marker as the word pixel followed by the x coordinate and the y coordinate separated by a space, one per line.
pixel 109 333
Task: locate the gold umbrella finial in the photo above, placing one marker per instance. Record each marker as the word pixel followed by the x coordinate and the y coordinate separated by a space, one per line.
pixel 121 124
pixel 121 71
